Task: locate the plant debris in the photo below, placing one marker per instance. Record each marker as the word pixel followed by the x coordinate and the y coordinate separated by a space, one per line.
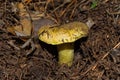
pixel 24 57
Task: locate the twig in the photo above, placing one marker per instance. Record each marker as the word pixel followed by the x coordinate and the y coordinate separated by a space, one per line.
pixel 29 41
pixel 73 9
pixel 67 8
pixel 13 45
pixel 58 7
pixel 110 51
pixel 48 1
pixel 113 13
pixel 26 43
pixel 104 56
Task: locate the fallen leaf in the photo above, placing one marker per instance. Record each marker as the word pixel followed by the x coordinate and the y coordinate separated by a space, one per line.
pixel 22 10
pixel 25 29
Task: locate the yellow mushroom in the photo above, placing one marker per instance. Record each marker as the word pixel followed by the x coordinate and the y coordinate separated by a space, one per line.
pixel 64 37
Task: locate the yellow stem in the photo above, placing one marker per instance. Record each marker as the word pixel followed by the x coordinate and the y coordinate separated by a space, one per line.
pixel 66 53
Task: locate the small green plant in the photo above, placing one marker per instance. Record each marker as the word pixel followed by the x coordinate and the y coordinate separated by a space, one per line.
pixel 94 4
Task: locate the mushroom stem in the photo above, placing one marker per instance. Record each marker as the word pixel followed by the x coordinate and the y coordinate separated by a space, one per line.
pixel 66 53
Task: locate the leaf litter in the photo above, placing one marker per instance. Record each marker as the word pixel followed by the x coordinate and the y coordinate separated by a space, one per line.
pixel 97 57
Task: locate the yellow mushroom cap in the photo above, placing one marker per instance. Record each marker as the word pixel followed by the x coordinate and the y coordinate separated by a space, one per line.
pixel 66 33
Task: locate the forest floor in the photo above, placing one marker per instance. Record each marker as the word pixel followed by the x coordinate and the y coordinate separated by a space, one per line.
pixel 24 57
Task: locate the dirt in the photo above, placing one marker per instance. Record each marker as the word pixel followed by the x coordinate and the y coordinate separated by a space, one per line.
pixel 97 57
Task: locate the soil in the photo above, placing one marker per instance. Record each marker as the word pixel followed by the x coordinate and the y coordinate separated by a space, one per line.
pixel 97 57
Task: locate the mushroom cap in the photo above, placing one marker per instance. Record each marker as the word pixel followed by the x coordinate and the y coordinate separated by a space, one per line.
pixel 66 33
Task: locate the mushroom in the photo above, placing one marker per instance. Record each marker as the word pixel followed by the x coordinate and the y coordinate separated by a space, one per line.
pixel 64 37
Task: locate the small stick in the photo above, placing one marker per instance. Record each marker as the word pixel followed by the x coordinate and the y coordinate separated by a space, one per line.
pixel 26 43
pixel 13 45
pixel 110 51
pixel 67 8
pixel 104 56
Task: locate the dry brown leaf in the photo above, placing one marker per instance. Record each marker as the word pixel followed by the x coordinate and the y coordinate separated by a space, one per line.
pixel 20 6
pixel 22 10
pixel 25 29
pixel 11 30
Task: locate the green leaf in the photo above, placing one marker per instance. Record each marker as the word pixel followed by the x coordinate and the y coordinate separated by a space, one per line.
pixel 94 4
